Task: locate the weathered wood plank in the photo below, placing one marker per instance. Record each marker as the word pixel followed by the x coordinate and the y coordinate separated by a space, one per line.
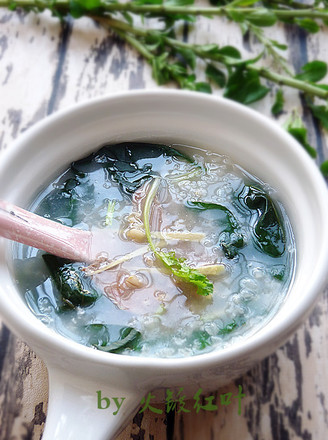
pixel 23 390
pixel 28 59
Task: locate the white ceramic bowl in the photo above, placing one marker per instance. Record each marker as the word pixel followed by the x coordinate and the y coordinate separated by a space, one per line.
pixel 76 372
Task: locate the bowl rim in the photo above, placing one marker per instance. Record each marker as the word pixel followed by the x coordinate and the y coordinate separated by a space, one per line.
pixel 279 331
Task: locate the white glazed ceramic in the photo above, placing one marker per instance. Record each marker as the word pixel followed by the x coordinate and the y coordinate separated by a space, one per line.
pixel 76 372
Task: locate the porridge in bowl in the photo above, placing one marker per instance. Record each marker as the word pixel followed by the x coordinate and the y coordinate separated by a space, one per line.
pixel 194 252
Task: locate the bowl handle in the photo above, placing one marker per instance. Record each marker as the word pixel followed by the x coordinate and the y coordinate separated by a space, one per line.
pixel 87 409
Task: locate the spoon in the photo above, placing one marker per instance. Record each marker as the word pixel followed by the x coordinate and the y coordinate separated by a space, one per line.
pixel 23 226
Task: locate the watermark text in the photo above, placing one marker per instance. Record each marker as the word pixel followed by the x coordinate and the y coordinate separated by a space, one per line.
pixel 175 402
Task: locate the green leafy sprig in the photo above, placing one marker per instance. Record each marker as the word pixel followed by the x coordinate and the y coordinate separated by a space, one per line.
pixel 263 14
pixel 110 212
pixel 153 44
pixel 297 129
pixel 241 77
pixel 174 60
pixel 177 266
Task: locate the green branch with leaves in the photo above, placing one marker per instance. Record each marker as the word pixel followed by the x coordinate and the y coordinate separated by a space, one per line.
pixel 174 60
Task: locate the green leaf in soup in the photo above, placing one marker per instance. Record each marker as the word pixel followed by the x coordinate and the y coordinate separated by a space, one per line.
pixel 231 243
pixel 72 287
pixel 97 334
pixel 203 206
pixel 128 339
pixel 110 212
pixel 231 327
pixel 126 155
pixel 60 203
pixel 203 339
pixel 313 71
pixel 227 329
pixel 177 266
pixel 278 271
pixel 268 233
pixel 229 239
pixel 128 163
pixel 185 273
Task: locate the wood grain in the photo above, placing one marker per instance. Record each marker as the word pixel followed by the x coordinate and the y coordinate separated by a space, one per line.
pixel 47 66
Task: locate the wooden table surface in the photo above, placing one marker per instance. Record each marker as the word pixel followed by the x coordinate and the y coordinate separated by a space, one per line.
pixel 45 66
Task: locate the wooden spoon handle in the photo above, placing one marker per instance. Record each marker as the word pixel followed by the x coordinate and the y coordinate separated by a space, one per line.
pixel 31 229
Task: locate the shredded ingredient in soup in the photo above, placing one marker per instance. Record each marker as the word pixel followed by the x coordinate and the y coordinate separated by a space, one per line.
pixel 193 253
